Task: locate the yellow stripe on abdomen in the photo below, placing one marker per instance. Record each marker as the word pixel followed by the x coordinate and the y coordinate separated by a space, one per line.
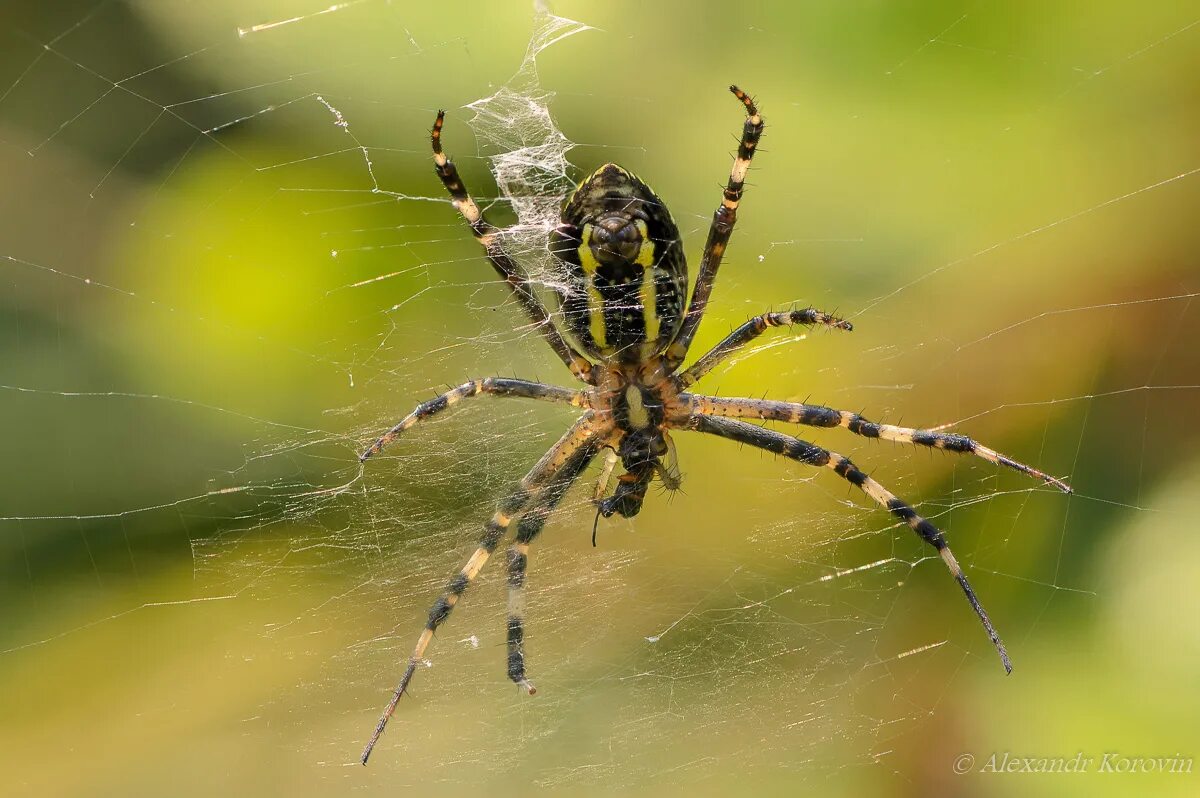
pixel 647 293
pixel 590 265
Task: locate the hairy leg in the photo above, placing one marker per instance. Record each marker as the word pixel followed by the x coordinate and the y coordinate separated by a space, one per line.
pixel 497 386
pixel 719 232
pixel 746 333
pixel 807 453
pixel 581 436
pixel 488 235
pixel 528 528
pixel 818 416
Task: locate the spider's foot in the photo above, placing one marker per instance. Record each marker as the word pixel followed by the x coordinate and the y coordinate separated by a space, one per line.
pixel 814 316
pixel 1033 472
pixel 386 439
pixel 1049 480
pixel 1058 483
pixel 751 110
pixel 375 449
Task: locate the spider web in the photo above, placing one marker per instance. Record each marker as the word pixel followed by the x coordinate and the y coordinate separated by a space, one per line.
pixel 227 266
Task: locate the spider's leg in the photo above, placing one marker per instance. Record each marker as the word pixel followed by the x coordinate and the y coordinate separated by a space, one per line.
pixel 807 453
pixel 528 528
pixel 749 331
pixel 718 232
pixel 580 436
pixel 818 416
pixel 498 386
pixel 489 236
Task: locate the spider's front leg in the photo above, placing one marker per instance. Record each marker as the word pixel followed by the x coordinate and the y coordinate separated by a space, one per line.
pixel 489 236
pixel 809 454
pixel 719 231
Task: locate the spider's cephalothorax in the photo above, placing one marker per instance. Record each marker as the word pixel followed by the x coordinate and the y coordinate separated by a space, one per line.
pixel 639 400
pixel 625 268
pixel 623 303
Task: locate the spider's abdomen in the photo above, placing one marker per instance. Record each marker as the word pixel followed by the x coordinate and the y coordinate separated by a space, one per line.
pixel 626 275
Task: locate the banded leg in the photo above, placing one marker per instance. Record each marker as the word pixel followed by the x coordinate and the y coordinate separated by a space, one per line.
pixel 749 331
pixel 489 236
pixel 528 528
pixel 579 437
pixel 818 416
pixel 498 386
pixel 718 232
pixel 807 453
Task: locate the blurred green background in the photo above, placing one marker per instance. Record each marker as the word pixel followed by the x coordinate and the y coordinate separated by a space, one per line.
pixel 209 302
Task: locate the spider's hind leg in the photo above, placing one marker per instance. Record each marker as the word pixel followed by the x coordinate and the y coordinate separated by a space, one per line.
pixel 577 443
pixel 493 531
pixel 528 528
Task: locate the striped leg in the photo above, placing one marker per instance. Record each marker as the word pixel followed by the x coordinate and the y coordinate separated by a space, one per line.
pixel 807 453
pixel 817 416
pixel 718 232
pixel 579 437
pixel 498 386
pixel 752 329
pixel 528 528
pixel 489 236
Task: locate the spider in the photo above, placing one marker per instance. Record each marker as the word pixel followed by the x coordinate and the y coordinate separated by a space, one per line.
pixel 622 301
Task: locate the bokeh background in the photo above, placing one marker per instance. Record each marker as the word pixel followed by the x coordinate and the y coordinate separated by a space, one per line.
pixel 211 296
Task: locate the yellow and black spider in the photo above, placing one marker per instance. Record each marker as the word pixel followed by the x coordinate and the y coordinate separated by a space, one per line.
pixel 623 303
